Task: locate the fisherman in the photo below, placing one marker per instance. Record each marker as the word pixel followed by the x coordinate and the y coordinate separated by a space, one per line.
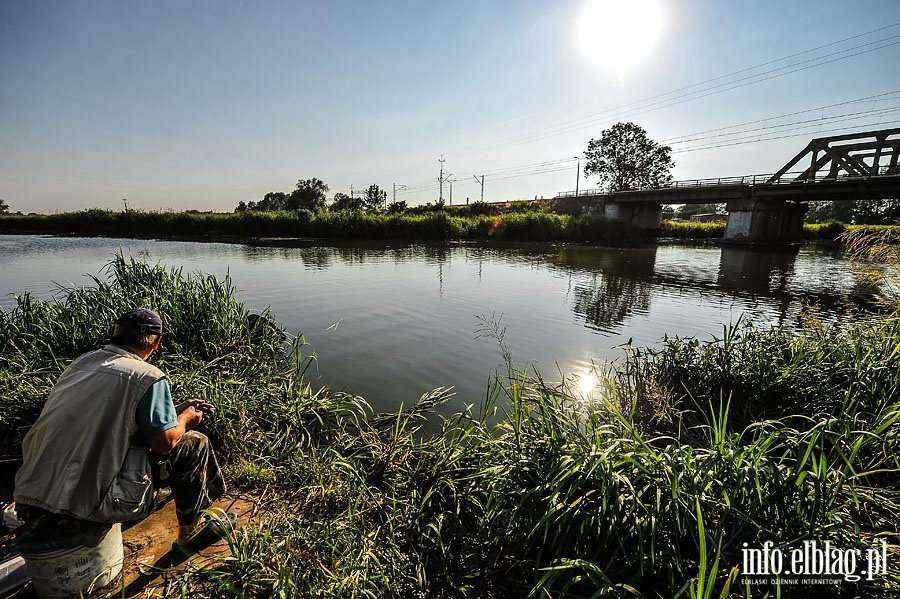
pixel 108 437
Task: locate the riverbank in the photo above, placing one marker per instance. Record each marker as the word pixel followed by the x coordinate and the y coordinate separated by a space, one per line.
pixel 528 222
pixel 434 225
pixel 695 450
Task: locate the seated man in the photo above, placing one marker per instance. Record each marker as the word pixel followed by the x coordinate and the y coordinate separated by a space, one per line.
pixel 86 463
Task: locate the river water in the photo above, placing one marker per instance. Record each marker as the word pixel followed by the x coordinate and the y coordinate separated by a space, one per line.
pixel 390 322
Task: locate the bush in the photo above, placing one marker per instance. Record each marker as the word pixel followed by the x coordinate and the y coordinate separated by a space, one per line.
pixel 827 231
pixel 692 230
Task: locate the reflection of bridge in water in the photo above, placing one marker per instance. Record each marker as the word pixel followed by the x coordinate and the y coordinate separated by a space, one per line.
pixel 769 208
pixel 622 283
pixel 609 285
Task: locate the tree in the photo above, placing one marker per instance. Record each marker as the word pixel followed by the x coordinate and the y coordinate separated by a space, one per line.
pixel 397 207
pixel 4 207
pixel 309 195
pixel 625 158
pixel 344 202
pixel 877 211
pixel 375 197
pixel 274 200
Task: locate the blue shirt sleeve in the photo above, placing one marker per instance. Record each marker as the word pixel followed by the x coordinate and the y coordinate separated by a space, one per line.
pixel 156 411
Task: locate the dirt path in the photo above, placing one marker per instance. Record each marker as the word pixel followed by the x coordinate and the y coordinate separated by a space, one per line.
pixel 151 564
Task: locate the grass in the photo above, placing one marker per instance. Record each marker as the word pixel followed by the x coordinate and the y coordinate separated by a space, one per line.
pixel 521 221
pixel 692 230
pixel 441 224
pixel 650 491
pixel 828 231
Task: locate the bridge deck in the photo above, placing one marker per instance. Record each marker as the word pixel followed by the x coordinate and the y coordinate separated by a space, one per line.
pixel 704 191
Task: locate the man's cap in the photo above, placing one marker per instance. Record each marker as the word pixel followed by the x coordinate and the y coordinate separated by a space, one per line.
pixel 143 320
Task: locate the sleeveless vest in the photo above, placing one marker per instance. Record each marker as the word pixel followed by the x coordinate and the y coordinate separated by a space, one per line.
pixel 79 443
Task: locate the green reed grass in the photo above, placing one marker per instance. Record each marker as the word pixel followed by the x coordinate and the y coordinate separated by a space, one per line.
pixel 441 224
pixel 692 230
pixel 650 491
pixel 827 231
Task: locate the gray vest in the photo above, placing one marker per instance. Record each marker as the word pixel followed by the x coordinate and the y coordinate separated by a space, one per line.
pixel 79 443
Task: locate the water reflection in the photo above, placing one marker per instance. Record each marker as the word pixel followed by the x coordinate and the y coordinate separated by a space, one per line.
pixel 757 272
pixel 608 286
pixel 606 301
pixel 760 272
pixel 618 286
pixel 317 255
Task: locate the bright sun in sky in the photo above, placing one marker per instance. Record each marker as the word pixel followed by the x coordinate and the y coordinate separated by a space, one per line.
pixel 617 35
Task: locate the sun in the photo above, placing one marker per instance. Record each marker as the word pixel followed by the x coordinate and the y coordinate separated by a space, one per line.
pixel 618 35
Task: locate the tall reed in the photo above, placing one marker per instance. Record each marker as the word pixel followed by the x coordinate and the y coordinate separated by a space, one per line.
pixel 437 224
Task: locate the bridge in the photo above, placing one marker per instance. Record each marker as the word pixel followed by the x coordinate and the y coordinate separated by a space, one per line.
pixel 765 209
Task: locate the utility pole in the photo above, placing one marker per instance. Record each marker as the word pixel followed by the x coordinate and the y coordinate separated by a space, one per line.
pixel 482 185
pixel 396 187
pixel 351 192
pixel 577 174
pixel 450 181
pixel 441 177
pixel 125 201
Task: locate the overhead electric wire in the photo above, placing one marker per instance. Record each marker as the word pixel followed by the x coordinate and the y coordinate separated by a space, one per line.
pixel 739 143
pixel 647 105
pixel 780 116
pixel 617 112
pixel 636 108
pixel 681 100
pixel 802 128
pixel 807 123
pixel 720 77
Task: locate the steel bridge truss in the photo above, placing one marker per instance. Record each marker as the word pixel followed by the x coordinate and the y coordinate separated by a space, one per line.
pixel 856 155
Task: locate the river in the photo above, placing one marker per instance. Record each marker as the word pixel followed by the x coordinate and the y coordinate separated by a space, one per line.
pixel 389 322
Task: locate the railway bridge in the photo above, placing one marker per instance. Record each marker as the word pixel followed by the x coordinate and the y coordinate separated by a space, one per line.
pixel 769 209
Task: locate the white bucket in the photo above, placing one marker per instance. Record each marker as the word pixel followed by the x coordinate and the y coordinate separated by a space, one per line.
pixel 65 573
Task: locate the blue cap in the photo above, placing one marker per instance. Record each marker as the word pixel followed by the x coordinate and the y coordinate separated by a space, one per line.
pixel 143 320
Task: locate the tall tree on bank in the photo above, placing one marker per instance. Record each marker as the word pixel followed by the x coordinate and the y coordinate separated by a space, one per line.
pixel 4 207
pixel 625 158
pixel 309 195
pixel 375 197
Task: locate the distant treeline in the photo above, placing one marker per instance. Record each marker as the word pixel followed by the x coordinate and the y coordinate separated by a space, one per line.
pixel 437 224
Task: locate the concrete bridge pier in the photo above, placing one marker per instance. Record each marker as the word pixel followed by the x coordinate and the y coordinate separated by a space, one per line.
pixel 764 222
pixel 639 216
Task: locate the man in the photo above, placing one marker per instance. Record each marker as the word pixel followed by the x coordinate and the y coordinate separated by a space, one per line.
pixel 85 460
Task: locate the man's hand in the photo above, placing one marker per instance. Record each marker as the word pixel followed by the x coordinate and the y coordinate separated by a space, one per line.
pixel 190 415
pixel 206 408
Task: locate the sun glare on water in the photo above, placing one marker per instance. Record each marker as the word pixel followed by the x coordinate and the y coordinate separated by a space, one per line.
pixel 618 35
pixel 589 384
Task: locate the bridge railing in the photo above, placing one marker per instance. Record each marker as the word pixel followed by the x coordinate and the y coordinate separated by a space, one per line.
pixel 785 179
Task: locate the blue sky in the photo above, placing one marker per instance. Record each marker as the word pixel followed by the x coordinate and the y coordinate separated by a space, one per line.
pixel 202 104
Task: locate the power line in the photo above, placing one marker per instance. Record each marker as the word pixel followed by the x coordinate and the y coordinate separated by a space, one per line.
pixel 558 166
pixel 778 130
pixel 646 105
pixel 807 123
pixel 740 143
pixel 780 116
pixel 621 112
pixel 591 120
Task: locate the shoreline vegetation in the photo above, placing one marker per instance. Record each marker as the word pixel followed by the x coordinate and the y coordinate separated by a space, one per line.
pixel 697 451
pixel 530 221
